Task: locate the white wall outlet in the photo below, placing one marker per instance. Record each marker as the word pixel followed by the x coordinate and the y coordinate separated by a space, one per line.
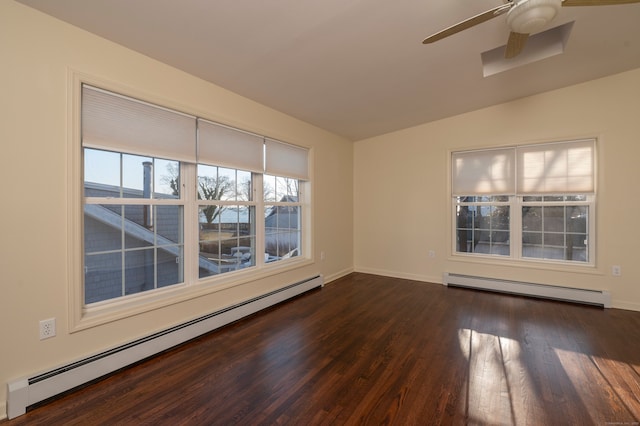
pixel 322 255
pixel 616 270
pixel 47 328
pixel 432 253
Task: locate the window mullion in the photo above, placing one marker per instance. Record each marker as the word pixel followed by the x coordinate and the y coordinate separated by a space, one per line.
pixel 190 223
pixel 258 198
pixel 515 227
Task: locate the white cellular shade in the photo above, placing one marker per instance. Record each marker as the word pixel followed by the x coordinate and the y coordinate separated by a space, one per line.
pixel 117 123
pixel 483 172
pixel 286 160
pixel 223 146
pixel 557 168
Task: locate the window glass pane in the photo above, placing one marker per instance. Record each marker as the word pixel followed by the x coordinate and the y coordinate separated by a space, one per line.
pixel 576 198
pixel 210 230
pixel 101 173
pixel 244 186
pixel 553 219
pixel 137 176
pixel 269 191
pixel 228 242
pixel 166 178
pixel 500 217
pixel 464 229
pixel 142 177
pixel 532 238
pixel 553 198
pixel 142 234
pixel 215 183
pixel 227 184
pixel 103 277
pixel 565 232
pixel 500 243
pixel 139 271
pixel 483 229
pixel 280 189
pixel 531 199
pixel 102 230
pixel 282 232
pixel 483 199
pixel 111 238
pixel 168 224
pixel 554 239
pixel 577 219
pixel 170 264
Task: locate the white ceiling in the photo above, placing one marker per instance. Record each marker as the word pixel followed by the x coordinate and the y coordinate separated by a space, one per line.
pixel 357 68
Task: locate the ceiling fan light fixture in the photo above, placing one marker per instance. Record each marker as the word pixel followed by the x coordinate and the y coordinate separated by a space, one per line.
pixel 530 16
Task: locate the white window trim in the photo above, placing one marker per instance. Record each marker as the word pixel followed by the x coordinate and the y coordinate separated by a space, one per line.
pixel 82 317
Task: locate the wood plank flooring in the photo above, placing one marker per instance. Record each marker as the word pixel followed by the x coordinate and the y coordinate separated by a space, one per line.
pixel 375 350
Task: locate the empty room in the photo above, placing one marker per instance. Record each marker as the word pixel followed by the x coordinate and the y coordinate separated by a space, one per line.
pixel 335 212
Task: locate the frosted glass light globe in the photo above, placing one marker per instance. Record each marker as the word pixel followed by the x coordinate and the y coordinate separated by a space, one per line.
pixel 529 16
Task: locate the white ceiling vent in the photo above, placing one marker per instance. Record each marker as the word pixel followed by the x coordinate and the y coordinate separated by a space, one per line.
pixel 539 46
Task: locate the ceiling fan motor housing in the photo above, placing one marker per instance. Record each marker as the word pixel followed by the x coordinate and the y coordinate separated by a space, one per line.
pixel 530 16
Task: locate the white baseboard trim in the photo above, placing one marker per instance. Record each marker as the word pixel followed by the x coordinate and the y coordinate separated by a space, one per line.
pixel 627 306
pixel 36 388
pixel 338 275
pixel 402 275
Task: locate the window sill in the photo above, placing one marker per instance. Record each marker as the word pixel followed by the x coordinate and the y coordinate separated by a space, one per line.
pixel 113 310
pixel 547 265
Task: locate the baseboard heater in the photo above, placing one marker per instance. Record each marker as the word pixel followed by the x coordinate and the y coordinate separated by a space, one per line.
pixel 28 391
pixel 567 294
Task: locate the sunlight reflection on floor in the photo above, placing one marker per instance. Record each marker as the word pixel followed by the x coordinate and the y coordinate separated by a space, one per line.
pixel 491 401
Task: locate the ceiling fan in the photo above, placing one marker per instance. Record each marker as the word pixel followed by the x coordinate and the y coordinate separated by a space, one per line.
pixel 524 17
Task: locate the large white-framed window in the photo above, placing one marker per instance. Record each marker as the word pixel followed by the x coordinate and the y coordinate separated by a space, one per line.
pixel 173 201
pixel 530 202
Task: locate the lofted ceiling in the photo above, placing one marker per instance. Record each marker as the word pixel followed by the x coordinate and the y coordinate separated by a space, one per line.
pixel 357 68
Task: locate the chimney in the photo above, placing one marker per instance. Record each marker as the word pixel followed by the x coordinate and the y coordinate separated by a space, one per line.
pixel 147 192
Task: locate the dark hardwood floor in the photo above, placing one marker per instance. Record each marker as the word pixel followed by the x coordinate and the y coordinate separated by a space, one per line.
pixel 374 350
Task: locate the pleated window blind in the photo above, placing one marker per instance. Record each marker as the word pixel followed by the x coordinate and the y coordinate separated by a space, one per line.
pixel 123 124
pixel 552 168
pixel 286 160
pixel 117 123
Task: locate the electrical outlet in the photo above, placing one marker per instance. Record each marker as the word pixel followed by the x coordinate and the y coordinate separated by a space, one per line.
pixel 432 253
pixel 616 270
pixel 322 255
pixel 47 328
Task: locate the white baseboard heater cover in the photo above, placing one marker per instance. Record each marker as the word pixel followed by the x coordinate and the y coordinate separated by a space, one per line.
pixel 567 294
pixel 30 390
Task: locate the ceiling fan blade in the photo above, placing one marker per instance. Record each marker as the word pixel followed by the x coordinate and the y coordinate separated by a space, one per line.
pixel 596 2
pixel 473 21
pixel 515 44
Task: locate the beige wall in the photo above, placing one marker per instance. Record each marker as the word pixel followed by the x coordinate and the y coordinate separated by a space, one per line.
pixel 38 54
pixel 402 207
